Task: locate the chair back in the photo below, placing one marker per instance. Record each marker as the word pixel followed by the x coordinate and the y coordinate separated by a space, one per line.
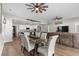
pixel 51 46
pixel 38 34
pixel 44 35
pixel 27 42
pixel 28 33
pixel 21 35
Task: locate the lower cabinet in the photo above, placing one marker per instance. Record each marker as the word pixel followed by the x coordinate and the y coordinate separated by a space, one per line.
pixel 76 40
pixel 66 39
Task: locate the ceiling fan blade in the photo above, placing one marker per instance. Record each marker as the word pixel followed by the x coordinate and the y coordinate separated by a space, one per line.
pixel 29 8
pixel 33 4
pixel 37 4
pixel 45 6
pixel 41 4
pixel 33 10
pixel 40 11
pixel 57 18
pixel 28 5
pixel 44 9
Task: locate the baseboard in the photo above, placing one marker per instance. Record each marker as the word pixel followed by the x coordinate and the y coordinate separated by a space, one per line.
pixel 8 41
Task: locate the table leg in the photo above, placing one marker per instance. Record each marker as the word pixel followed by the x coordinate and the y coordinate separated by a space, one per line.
pixel 36 49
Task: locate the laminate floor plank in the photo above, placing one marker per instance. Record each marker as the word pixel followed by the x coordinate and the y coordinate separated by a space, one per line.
pixel 14 49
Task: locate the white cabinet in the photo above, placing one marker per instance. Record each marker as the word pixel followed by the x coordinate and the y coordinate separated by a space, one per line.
pixel 76 28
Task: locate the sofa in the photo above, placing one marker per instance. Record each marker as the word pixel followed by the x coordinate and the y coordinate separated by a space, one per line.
pixel 67 39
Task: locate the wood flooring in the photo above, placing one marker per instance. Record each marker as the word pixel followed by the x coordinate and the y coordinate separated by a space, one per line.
pixel 13 49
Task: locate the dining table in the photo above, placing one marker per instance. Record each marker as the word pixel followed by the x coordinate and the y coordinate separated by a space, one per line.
pixel 38 42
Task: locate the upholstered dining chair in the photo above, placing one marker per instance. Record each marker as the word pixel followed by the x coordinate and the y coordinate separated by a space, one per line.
pixel 20 33
pixel 38 34
pixel 48 50
pixel 44 37
pixel 21 36
pixel 27 44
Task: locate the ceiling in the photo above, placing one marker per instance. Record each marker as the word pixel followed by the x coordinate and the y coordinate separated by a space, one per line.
pixel 19 10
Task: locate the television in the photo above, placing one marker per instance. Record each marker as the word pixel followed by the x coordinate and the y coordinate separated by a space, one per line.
pixel 63 29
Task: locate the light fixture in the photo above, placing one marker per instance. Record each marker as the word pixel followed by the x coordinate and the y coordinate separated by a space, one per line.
pixel 58 20
pixel 4 21
pixel 37 7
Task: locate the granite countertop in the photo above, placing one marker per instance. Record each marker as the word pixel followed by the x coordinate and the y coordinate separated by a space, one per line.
pixel 32 31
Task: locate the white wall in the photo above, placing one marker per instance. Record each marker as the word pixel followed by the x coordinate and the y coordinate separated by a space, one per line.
pixel 1 44
pixel 7 30
pixel 72 26
pixel 44 27
pixel 0 20
pixel 1 39
pixel 77 27
pixel 52 27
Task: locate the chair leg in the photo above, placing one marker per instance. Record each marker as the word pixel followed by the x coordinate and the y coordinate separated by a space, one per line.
pixel 53 54
pixel 32 52
pixel 22 48
pixel 38 53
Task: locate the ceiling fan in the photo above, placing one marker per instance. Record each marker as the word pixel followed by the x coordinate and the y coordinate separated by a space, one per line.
pixel 37 7
pixel 58 20
pixel 32 20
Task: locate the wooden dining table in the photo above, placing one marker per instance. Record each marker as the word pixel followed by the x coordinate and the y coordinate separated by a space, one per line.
pixel 34 37
pixel 37 41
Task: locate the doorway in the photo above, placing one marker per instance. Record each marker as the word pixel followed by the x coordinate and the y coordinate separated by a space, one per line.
pixel 14 31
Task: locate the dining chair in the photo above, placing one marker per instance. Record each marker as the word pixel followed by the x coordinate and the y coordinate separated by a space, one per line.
pixel 20 33
pixel 21 36
pixel 28 33
pixel 48 50
pixel 27 44
pixel 44 37
pixel 38 34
